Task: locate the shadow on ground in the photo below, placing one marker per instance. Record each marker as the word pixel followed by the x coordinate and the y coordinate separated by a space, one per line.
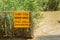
pixel 52 37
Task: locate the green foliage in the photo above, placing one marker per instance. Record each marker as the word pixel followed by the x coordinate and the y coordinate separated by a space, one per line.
pixel 53 5
pixel 1 5
pixel 9 20
pixel 30 5
pixel 38 16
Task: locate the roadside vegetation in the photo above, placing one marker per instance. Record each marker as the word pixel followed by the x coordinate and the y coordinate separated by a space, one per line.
pixel 34 6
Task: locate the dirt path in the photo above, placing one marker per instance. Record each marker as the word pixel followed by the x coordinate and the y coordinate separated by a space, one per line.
pixel 49 25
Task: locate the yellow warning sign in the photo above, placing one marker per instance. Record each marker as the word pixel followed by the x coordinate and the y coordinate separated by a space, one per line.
pixel 21 19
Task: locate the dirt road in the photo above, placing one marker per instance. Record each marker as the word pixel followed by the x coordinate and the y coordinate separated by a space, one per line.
pixel 49 25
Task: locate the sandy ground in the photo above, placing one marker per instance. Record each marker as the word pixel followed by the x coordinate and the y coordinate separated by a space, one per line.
pixel 49 25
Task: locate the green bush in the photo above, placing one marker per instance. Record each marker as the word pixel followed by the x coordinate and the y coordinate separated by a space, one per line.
pixel 53 5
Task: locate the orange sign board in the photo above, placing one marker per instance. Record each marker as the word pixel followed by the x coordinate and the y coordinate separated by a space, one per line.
pixel 21 19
